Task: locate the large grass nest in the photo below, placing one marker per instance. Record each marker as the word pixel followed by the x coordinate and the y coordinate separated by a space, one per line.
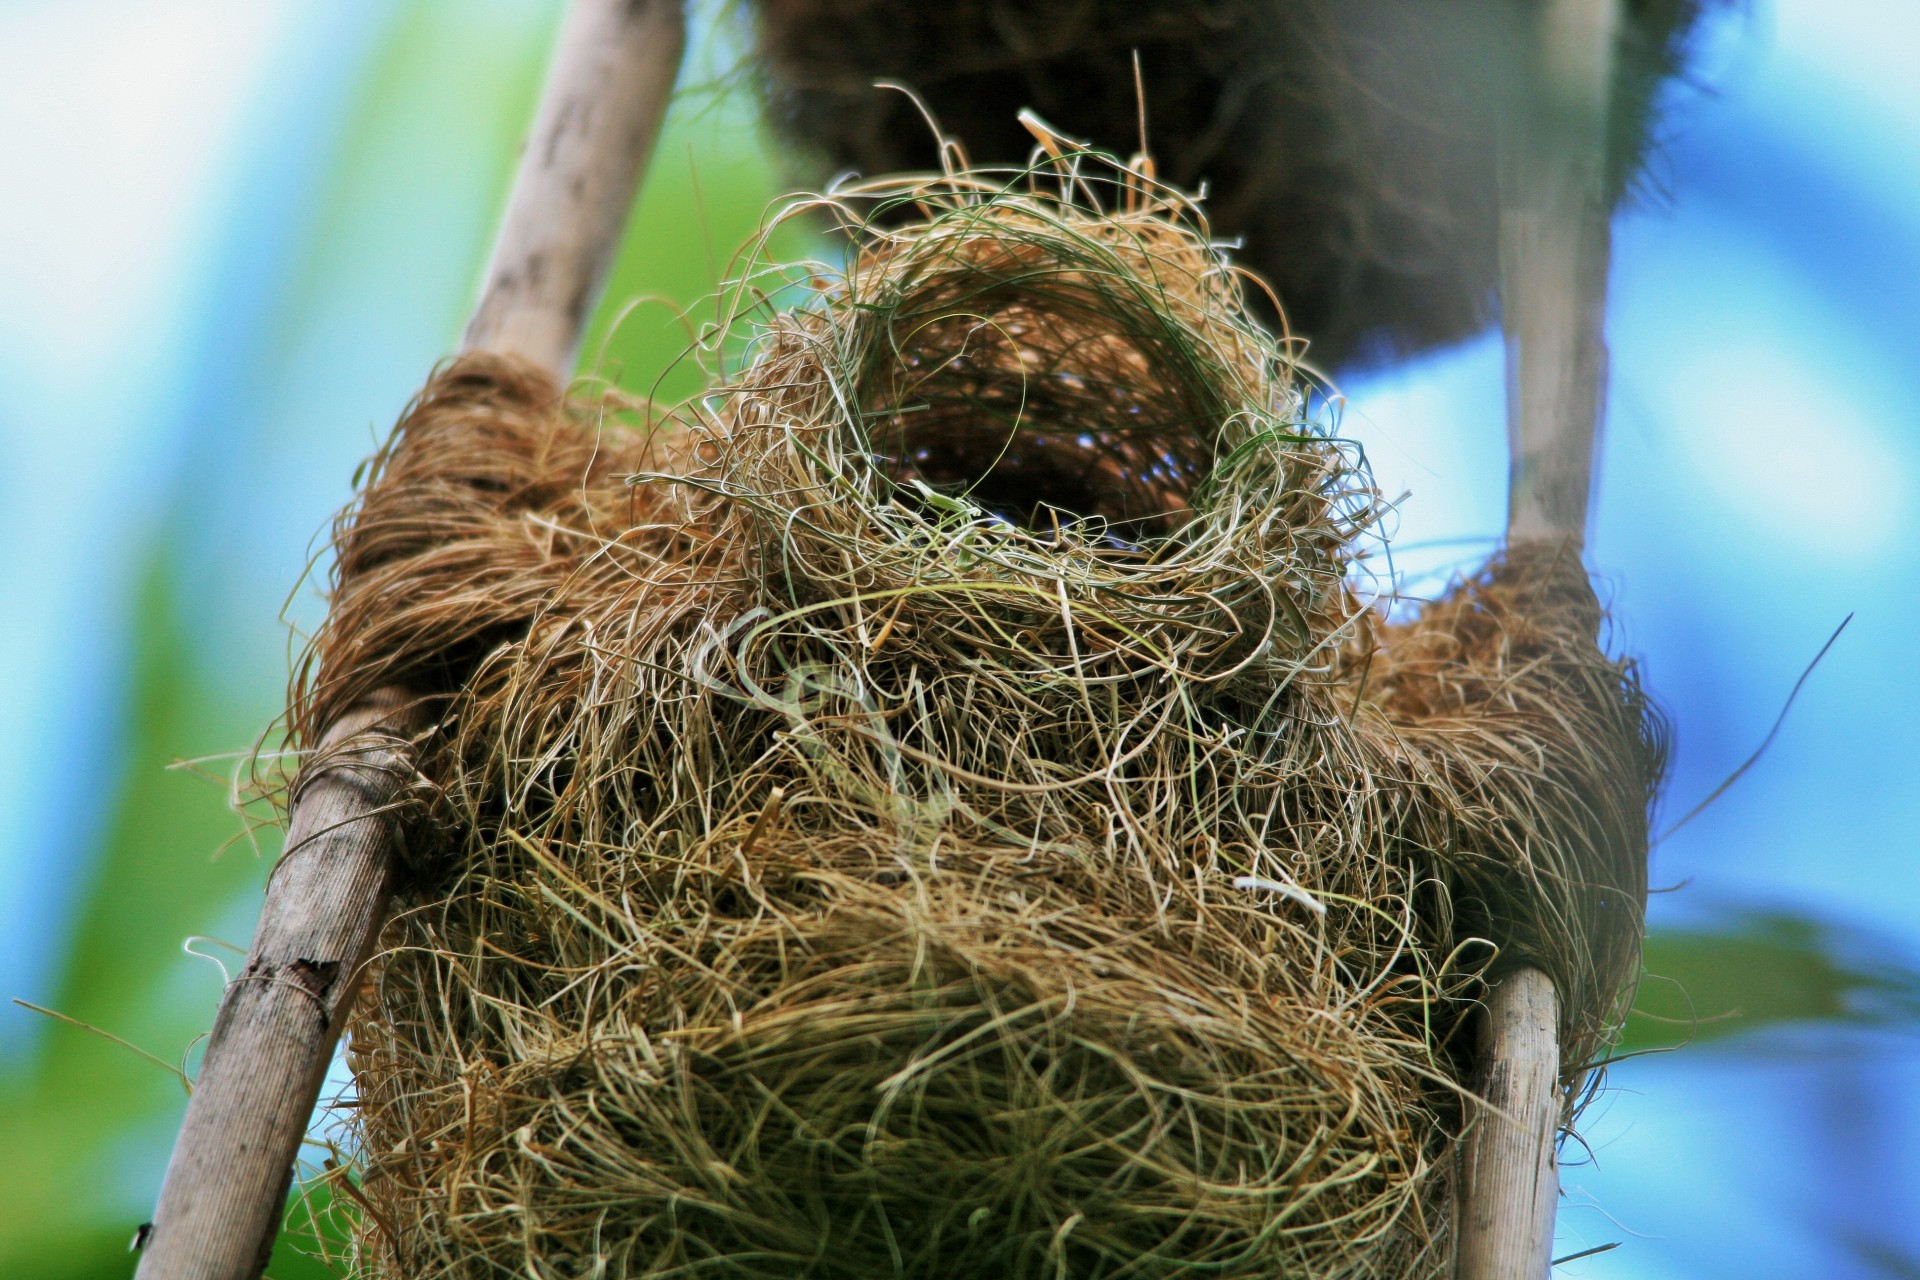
pixel 941 807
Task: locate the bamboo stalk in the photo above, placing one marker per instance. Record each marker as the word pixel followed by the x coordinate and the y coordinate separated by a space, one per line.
pixel 1554 248
pixel 227 1181
pixel 1510 1176
pixel 606 96
pixel 1555 240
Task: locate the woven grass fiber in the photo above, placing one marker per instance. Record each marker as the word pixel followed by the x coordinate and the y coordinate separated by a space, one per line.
pixel 940 805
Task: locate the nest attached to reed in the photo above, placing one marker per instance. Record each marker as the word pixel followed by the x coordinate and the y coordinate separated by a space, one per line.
pixel 942 808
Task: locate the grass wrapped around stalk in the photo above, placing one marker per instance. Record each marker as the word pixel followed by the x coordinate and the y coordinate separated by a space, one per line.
pixel 939 806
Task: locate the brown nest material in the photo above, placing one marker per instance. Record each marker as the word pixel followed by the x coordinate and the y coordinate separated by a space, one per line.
pixel 1352 144
pixel 943 810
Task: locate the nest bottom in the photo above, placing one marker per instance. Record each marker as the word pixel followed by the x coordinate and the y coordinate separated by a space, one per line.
pixel 856 1070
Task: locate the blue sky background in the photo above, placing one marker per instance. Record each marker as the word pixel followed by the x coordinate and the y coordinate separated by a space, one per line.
pixel 234 234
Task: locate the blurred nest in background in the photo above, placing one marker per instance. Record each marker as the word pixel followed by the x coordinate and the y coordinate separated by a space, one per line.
pixel 939 807
pixel 1353 148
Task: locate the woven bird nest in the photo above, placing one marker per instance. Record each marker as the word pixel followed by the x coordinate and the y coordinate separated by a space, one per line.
pixel 940 807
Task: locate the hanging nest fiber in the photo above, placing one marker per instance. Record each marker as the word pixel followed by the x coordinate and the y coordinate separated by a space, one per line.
pixel 941 808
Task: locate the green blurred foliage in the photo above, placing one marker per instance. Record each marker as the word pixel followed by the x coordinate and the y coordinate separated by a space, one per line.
pixel 69 1122
pixel 1758 968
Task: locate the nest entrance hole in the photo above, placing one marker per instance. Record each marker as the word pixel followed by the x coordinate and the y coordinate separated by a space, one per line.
pixel 1043 419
